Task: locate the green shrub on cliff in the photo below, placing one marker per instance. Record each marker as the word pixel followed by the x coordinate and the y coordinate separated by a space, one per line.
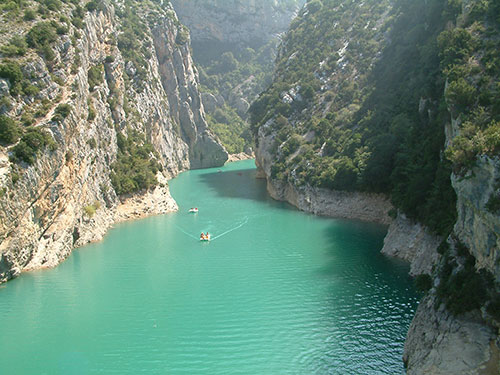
pixel 373 113
pixel 230 128
pixel 95 76
pixel 423 283
pixel 136 166
pixel 9 130
pixel 464 289
pixel 470 57
pixel 91 209
pixel 31 143
pixel 29 14
pixel 11 70
pixel 41 34
pixel 16 47
pixel 94 5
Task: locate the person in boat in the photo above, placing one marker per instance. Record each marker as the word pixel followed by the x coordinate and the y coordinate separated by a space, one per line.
pixel 202 236
pixel 207 236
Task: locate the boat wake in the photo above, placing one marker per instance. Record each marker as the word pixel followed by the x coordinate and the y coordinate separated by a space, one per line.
pixel 238 226
pixel 186 233
pixel 232 229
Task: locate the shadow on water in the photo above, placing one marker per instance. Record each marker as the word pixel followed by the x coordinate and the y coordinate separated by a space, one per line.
pixel 363 241
pixel 369 298
pixel 237 184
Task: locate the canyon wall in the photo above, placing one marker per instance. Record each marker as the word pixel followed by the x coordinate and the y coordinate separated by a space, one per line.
pixel 146 98
pixel 352 128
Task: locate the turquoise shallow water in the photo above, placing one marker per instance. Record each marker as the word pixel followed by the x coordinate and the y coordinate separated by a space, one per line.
pixel 277 291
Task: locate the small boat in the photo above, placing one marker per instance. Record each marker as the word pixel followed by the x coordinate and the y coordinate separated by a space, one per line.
pixel 193 210
pixel 205 237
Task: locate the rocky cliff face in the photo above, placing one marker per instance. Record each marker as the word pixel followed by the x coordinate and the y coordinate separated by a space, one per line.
pixel 66 198
pixel 306 136
pixel 439 343
pixel 477 227
pixel 412 242
pixel 437 338
pixel 324 202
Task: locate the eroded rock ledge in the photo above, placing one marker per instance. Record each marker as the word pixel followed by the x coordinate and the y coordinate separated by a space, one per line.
pixel 439 343
pixel 413 243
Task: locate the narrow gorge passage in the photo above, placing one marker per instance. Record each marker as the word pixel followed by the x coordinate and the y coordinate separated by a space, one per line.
pixel 307 295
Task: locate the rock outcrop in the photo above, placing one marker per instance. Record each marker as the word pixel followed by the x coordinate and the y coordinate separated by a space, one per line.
pixel 439 343
pixel 477 227
pixel 413 243
pixel 66 198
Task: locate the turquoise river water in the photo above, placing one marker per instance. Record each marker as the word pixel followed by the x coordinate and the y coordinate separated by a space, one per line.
pixel 276 291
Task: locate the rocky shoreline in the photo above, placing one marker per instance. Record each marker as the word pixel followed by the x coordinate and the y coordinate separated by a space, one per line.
pixel 66 197
pixel 57 244
pixel 413 243
pixel 437 342
pixel 240 156
pixel 436 339
pixel 405 239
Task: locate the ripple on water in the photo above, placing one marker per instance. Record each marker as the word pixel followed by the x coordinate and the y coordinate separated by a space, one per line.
pixel 277 292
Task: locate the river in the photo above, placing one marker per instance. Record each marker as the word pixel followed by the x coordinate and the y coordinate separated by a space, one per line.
pixel 276 291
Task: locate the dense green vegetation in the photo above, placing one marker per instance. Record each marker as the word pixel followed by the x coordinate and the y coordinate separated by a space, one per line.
pixel 363 105
pixel 95 76
pixel 462 288
pixel 9 130
pixel 423 282
pixel 61 112
pixel 231 129
pixel 136 166
pixel 470 59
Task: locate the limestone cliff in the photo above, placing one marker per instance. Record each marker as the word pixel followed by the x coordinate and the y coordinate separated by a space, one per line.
pixel 93 94
pixel 413 242
pixel 437 338
pixel 324 202
pixel 382 97
pixel 458 339
pixel 477 227
pixel 439 343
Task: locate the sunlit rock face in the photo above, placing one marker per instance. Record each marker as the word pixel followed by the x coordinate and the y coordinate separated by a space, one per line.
pixel 66 197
